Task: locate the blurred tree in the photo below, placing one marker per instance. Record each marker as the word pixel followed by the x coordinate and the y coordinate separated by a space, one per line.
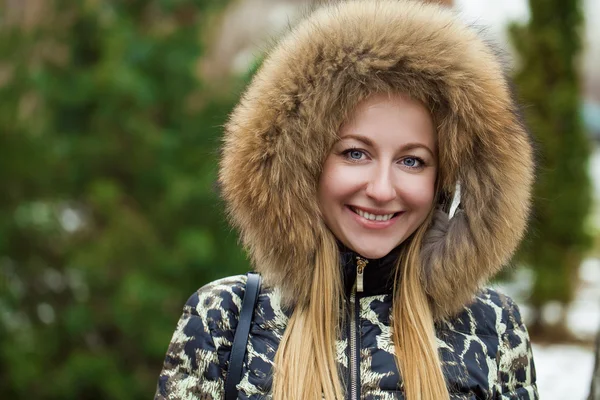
pixel 548 82
pixel 109 218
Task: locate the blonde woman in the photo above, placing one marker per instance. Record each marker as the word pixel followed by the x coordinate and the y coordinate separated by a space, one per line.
pixel 339 167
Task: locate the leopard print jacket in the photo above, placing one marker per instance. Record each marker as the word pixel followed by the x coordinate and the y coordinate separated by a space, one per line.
pixel 485 350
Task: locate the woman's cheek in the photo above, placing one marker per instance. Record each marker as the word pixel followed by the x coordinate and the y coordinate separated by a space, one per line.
pixel 418 190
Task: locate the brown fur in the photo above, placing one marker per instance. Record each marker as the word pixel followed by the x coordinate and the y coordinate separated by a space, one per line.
pixel 278 136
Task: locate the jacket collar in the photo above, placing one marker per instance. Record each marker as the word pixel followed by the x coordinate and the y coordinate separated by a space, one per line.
pixel 378 275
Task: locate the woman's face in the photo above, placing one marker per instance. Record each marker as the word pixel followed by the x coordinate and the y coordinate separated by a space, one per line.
pixel 377 184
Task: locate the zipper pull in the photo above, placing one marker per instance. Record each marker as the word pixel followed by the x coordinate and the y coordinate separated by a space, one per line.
pixel 361 263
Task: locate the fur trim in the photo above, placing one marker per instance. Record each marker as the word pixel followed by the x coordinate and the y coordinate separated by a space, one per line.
pixel 280 133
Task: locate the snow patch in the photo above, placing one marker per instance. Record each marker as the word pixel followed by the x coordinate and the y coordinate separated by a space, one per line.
pixel 564 372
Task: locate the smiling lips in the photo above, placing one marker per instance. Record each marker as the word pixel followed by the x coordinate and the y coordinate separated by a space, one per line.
pixel 378 218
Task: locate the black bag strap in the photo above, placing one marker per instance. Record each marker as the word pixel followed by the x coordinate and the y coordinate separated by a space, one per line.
pixel 240 339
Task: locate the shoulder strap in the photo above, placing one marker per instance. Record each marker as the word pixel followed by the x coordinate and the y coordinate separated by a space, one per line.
pixel 240 339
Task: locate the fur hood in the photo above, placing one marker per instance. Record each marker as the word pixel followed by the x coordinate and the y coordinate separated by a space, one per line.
pixel 280 133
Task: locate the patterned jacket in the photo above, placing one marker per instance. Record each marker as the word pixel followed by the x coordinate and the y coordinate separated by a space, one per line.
pixel 485 349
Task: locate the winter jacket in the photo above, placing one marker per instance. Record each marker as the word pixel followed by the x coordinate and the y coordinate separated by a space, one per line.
pixel 485 349
pixel 275 143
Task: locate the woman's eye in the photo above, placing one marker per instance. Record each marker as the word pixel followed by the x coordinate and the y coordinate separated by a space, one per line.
pixel 412 162
pixel 354 155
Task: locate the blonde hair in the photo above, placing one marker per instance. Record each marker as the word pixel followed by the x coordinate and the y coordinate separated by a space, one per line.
pixel 310 337
pixel 413 331
pixel 309 341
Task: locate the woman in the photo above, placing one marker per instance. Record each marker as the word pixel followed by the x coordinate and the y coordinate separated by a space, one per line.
pixel 338 168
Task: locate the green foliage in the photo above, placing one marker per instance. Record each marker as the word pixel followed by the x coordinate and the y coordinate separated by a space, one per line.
pixel 109 218
pixel 548 82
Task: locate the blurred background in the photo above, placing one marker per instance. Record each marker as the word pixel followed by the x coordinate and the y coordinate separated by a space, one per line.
pixel 110 122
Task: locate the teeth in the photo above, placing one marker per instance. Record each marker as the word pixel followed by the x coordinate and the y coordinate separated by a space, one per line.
pixel 373 217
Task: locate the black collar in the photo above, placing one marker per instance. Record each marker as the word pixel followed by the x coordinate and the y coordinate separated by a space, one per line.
pixel 378 276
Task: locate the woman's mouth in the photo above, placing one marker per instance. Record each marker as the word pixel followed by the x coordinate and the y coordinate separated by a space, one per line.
pixel 374 216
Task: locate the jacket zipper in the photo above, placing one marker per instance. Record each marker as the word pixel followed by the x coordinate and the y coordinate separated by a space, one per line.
pixel 361 263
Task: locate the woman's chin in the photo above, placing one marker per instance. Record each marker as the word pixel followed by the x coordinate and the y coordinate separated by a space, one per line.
pixel 373 252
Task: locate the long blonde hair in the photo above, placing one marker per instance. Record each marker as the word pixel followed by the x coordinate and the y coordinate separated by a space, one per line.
pixel 309 341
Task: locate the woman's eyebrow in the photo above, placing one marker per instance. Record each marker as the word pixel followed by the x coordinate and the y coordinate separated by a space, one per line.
pixel 360 138
pixel 404 147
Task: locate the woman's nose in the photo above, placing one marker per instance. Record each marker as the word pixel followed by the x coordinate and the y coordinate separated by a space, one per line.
pixel 381 187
